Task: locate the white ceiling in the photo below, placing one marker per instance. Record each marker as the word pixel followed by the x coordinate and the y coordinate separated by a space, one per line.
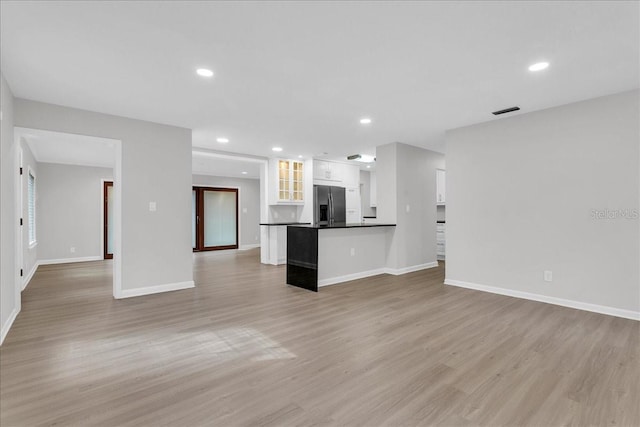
pixel 69 149
pixel 211 164
pixel 301 74
pixel 82 150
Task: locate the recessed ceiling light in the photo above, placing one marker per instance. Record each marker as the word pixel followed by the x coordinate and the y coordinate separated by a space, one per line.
pixel 368 166
pixel 244 172
pixel 277 148
pixel 300 156
pixel 539 66
pixel 204 72
pixel 222 140
pixel 365 121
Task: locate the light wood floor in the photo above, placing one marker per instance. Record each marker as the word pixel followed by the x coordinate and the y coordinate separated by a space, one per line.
pixel 244 349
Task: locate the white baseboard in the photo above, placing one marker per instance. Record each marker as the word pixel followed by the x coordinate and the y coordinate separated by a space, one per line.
pixel 411 269
pixel 602 309
pixel 128 293
pixel 375 272
pixel 7 326
pixel 348 277
pixel 247 247
pixel 29 276
pixel 69 260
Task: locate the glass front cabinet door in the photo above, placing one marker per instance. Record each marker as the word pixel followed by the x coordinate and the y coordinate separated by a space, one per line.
pixel 290 181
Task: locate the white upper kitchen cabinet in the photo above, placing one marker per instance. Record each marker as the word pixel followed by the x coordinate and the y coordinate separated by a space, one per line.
pixel 373 190
pixel 327 171
pixel 340 174
pixel 351 176
pixel 440 187
pixel 352 201
pixel 287 181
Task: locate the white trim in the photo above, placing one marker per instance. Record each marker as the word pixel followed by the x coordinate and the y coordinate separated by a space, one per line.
pixel 118 184
pixel 7 326
pixel 602 309
pixel 148 290
pixel 19 236
pixel 29 276
pixel 349 277
pixel 375 272
pixel 247 247
pixel 69 260
pixel 411 269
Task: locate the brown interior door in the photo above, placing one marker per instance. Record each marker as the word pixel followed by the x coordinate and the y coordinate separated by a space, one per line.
pixel 107 192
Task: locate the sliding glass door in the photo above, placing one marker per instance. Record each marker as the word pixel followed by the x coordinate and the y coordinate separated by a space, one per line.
pixel 214 223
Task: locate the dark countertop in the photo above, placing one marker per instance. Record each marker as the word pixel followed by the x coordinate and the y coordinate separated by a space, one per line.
pixel 273 224
pixel 342 225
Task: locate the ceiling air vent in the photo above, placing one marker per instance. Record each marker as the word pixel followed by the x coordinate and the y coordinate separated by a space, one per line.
pixel 506 110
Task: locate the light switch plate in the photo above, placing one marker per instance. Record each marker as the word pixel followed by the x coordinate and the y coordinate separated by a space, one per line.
pixel 152 206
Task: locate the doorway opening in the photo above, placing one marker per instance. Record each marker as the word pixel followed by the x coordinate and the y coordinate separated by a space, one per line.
pixel 214 220
pixel 63 172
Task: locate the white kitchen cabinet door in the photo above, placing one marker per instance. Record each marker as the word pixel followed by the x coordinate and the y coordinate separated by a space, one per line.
pixel 440 187
pixel 352 201
pixel 288 186
pixel 326 171
pixel 350 176
pixel 373 190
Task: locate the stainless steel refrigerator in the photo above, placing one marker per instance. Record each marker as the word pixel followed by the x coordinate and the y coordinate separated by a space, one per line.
pixel 330 205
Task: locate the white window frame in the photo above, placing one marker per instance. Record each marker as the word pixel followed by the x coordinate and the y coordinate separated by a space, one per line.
pixel 31 227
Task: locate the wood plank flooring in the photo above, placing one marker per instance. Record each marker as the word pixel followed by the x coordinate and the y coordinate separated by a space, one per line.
pixel 242 349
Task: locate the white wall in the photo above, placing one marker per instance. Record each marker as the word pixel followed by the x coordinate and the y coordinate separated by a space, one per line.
pixel 29 252
pixel 521 192
pixel 155 247
pixel 9 296
pixel 70 209
pixel 336 263
pixel 406 182
pixel 249 200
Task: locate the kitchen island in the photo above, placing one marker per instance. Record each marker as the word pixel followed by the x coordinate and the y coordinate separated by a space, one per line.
pixel 321 255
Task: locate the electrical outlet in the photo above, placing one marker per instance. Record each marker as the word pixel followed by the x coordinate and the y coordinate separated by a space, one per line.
pixel 152 206
pixel 353 251
pixel 293 215
pixel 255 238
pixel 275 215
pixel 244 210
pixel 548 276
pixel 408 208
pixel 72 250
